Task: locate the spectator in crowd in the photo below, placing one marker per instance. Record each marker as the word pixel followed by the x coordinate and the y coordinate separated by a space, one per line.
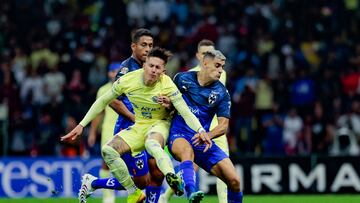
pixel 273 124
pixel 293 125
pixel 310 61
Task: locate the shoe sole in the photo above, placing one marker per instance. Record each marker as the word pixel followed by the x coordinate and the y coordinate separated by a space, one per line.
pixel 175 183
pixel 196 197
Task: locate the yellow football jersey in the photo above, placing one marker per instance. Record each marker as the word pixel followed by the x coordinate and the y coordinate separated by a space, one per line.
pixel 144 98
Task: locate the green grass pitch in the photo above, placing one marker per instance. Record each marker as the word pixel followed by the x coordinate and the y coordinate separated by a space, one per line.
pixel 213 199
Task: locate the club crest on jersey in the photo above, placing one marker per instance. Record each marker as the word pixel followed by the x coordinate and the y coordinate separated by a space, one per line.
pixel 155 99
pixel 124 70
pixel 213 97
pixel 140 163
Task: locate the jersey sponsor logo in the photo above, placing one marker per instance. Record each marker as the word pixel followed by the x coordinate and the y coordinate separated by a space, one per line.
pixel 146 114
pixel 213 96
pixel 140 163
pixel 186 82
pixel 145 108
pixel 195 111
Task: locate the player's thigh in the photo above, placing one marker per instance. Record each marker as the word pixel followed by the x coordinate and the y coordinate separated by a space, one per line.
pixel 206 160
pixel 222 143
pixel 159 131
pixel 225 170
pixel 182 149
pixel 119 144
pixel 134 137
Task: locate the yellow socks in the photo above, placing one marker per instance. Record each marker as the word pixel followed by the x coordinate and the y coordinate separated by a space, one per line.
pixel 118 168
pixel 163 160
pixel 221 189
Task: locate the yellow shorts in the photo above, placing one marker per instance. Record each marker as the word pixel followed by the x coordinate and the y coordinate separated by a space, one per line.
pixel 222 140
pixel 135 135
pixel 106 137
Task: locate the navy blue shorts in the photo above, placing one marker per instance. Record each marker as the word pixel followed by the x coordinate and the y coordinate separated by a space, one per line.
pixel 137 165
pixel 206 160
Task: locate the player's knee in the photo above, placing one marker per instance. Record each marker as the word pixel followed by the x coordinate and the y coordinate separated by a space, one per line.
pixel 151 144
pixel 109 154
pixel 142 181
pixel 234 184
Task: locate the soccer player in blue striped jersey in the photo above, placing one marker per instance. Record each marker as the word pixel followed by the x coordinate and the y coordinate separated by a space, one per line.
pixel 221 188
pixel 206 97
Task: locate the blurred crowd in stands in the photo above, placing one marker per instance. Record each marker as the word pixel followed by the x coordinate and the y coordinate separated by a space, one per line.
pixel 292 66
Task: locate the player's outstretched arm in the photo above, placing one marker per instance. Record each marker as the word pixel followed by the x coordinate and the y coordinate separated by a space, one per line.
pixel 98 106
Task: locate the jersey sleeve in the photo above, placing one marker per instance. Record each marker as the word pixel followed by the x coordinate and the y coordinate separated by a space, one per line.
pixel 170 89
pixel 100 92
pixel 223 108
pixel 119 86
pixel 180 105
pixel 97 107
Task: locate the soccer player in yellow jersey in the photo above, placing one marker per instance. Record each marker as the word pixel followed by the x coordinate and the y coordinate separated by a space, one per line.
pixel 107 118
pixel 144 88
pixel 221 188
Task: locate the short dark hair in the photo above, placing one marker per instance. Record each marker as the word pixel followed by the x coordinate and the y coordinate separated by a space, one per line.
pixel 160 53
pixel 137 34
pixel 205 42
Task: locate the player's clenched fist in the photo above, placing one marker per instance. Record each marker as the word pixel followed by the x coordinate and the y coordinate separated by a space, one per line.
pixel 74 133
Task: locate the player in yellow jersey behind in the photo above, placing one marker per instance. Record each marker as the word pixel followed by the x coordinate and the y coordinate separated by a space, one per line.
pixel 144 88
pixel 107 120
pixel 221 188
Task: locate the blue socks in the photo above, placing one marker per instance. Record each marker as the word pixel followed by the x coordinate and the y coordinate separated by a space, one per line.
pixel 107 183
pixel 152 194
pixel 235 197
pixel 187 172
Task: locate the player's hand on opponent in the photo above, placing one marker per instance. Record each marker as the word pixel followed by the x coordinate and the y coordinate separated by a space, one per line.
pixel 201 138
pixel 164 101
pixel 74 133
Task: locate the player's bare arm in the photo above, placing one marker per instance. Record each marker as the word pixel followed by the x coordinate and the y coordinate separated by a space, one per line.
pixel 220 129
pixel 120 108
